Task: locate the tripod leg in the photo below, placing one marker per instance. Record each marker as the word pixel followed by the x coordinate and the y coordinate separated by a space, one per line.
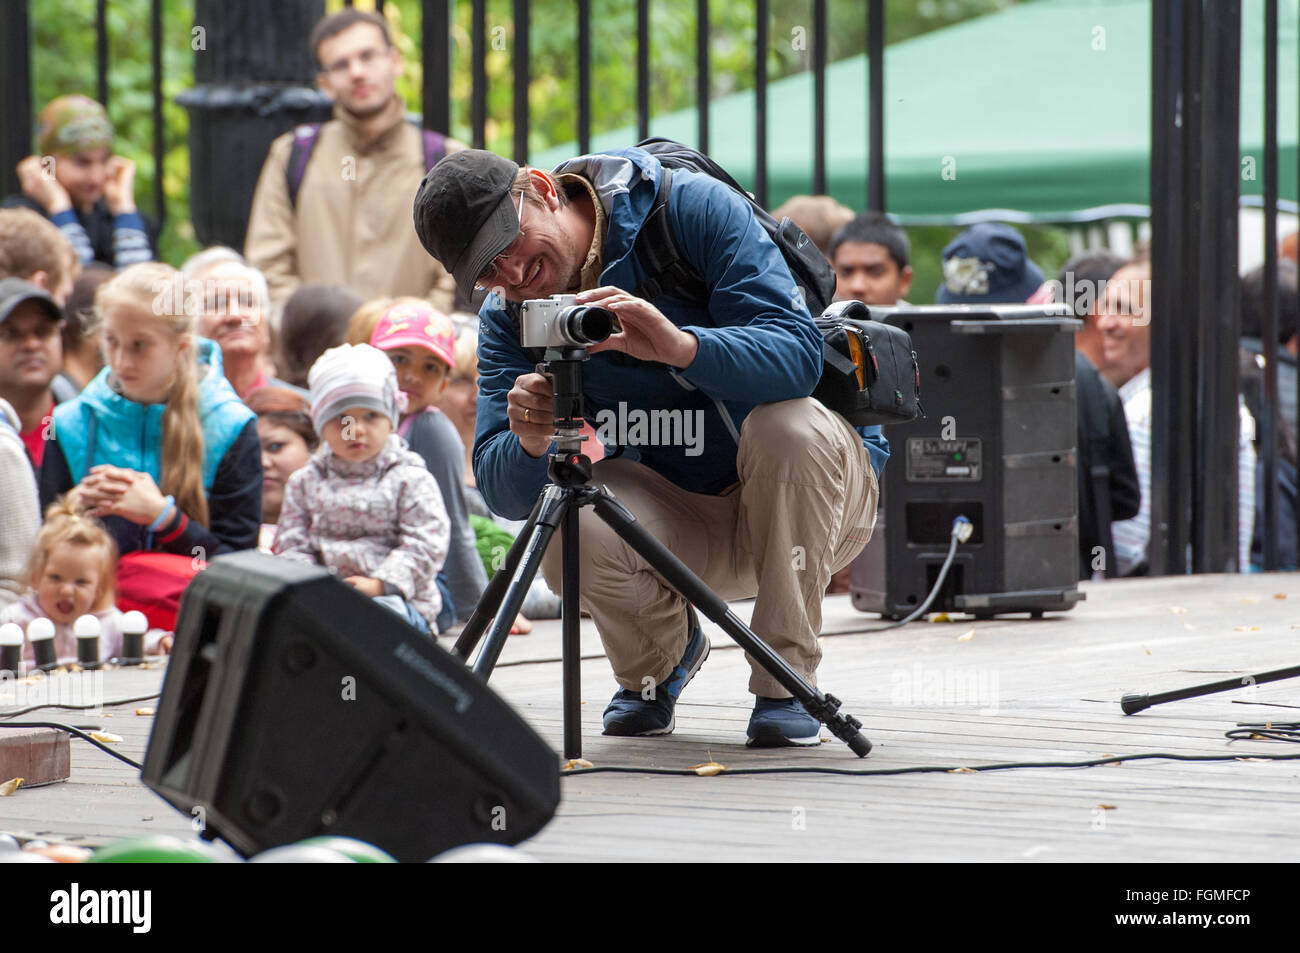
pixel 571 648
pixel 823 707
pixel 555 501
pixel 489 603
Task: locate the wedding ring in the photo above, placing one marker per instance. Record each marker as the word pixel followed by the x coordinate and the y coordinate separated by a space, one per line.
pixel 526 420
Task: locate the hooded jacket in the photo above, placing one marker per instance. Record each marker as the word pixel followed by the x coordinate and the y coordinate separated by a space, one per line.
pixel 757 343
pixel 19 517
pixel 103 426
pixel 382 518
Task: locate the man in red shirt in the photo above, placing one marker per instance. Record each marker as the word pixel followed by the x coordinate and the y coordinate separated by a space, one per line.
pixel 31 353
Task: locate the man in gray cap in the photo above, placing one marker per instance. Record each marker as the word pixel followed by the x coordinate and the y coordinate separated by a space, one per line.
pixel 19 509
pixel 31 355
pixel 764 495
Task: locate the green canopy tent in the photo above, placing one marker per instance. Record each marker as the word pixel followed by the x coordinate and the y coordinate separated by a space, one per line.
pixel 1037 113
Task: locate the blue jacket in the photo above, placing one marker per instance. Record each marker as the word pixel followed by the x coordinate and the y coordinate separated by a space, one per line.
pixel 757 341
pixel 103 426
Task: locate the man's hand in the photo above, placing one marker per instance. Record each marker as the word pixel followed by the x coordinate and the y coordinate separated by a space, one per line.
pixel 42 187
pixel 365 585
pixel 646 334
pixel 530 407
pixel 119 187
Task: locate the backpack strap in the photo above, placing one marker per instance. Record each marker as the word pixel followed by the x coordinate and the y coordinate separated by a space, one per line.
pixel 666 271
pixel 304 142
pixel 435 148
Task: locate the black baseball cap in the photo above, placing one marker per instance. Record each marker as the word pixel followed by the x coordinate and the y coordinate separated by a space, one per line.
pixel 14 291
pixel 463 213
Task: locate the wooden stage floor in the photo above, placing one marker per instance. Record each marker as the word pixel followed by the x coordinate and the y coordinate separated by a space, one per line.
pixel 949 694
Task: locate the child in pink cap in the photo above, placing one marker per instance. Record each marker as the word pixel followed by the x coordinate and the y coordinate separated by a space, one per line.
pixel 421 342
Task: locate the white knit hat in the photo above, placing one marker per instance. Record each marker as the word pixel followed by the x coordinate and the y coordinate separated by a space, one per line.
pixel 353 376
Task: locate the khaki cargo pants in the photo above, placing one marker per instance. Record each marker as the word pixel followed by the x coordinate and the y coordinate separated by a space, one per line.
pixel 804 508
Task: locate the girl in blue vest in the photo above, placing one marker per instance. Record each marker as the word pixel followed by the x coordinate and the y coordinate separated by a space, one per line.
pixel 158 445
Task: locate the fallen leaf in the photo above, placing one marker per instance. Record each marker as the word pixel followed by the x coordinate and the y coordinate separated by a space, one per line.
pixel 10 786
pixel 1257 760
pixel 1107 807
pixel 1249 599
pixel 1147 650
pixel 1279 595
pixel 962 771
pixel 106 737
pixel 146 711
pixel 967 637
pixel 577 763
pixel 1177 610
pixel 941 617
pixel 1245 628
pixel 708 769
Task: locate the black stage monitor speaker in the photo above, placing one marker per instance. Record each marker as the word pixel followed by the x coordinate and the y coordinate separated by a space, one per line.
pixel 997 446
pixel 295 706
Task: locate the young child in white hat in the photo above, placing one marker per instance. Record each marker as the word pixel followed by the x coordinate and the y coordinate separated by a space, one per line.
pixel 365 506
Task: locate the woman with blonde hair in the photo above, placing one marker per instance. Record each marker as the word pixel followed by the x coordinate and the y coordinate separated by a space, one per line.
pixel 158 445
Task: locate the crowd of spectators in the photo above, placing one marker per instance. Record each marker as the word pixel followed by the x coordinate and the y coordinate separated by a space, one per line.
pixel 151 418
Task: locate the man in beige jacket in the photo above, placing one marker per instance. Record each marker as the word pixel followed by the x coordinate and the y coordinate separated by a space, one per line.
pixel 351 222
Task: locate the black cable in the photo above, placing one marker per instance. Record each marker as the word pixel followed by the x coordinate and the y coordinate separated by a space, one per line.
pixel 961 531
pixel 76 733
pixel 123 701
pixel 1265 731
pixel 960 769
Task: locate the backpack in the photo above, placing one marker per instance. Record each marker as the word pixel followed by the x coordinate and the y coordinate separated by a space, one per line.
pixel 667 272
pixel 870 373
pixel 304 143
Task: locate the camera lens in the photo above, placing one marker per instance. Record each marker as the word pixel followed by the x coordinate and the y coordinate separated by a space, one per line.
pixel 582 326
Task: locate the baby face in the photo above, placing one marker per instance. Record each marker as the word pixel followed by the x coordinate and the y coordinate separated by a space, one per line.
pixel 70 582
pixel 357 434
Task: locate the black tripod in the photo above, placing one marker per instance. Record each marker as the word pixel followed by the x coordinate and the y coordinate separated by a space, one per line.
pixel 557 507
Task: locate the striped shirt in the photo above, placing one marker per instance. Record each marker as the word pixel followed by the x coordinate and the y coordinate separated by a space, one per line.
pixel 1132 536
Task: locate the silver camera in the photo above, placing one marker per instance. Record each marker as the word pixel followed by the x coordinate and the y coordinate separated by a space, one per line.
pixel 559 321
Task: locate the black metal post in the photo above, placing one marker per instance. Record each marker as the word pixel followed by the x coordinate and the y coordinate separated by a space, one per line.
pixel 435 41
pixel 819 97
pixel 101 50
pixel 642 69
pixel 478 90
pixel 1214 500
pixel 159 146
pixel 760 103
pixel 584 76
pixel 254 79
pixel 1174 170
pixel 876 108
pixel 522 77
pixel 702 74
pixel 15 91
pixel 1269 416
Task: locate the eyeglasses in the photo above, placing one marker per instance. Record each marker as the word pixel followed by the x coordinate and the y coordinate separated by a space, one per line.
pixel 493 274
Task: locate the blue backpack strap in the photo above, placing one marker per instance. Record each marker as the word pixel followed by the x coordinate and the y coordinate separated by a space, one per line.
pixel 304 141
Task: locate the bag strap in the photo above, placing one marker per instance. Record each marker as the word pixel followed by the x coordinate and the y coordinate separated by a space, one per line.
pixel 304 143
pixel 306 136
pixel 666 271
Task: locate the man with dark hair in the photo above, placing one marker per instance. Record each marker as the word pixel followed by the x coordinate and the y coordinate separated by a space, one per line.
pixel 333 201
pixel 31 355
pixel 767 494
pixel 870 255
pixel 1252 389
pixel 1083 283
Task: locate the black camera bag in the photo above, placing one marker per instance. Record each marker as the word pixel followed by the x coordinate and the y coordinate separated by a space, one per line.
pixel 871 375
